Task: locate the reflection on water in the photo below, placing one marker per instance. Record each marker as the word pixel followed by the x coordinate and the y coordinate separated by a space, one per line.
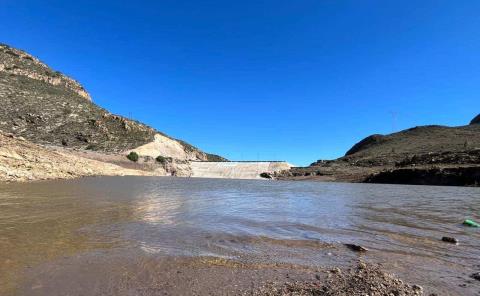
pixel 249 220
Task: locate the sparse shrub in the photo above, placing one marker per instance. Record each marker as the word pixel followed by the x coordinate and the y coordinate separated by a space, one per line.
pixel 163 160
pixel 133 156
pixel 215 158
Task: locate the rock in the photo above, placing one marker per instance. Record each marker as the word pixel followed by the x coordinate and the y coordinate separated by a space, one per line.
pixel 451 240
pixel 356 248
pixel 266 175
pixel 336 270
pixel 476 276
pixel 417 288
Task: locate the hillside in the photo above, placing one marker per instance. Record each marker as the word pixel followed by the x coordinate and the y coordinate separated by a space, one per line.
pixel 21 160
pixel 395 147
pixel 420 155
pixel 46 107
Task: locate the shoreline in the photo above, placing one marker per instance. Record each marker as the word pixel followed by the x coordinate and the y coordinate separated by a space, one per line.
pixel 23 161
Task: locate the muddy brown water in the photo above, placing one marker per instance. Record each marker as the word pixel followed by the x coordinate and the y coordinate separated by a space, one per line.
pixel 58 237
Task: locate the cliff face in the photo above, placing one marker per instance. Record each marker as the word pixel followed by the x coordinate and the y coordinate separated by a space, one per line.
pixel 47 107
pixel 16 62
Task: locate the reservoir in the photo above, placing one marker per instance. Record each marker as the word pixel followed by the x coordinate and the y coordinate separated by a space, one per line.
pixel 115 235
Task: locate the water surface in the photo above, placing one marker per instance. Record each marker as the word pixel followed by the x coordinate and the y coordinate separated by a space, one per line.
pixel 48 227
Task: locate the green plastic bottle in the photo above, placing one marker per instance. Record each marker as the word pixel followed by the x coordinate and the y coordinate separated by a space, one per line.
pixel 471 223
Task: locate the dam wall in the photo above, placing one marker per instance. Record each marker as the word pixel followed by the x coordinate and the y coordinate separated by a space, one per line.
pixel 236 169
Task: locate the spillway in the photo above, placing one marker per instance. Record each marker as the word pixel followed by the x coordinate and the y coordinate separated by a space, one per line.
pixel 236 169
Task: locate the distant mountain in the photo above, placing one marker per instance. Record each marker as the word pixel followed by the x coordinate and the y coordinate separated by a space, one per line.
pixel 387 149
pixel 431 154
pixel 46 107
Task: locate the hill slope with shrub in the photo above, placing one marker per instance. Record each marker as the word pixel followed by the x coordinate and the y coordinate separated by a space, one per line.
pixel 46 107
pixel 425 155
pixel 388 149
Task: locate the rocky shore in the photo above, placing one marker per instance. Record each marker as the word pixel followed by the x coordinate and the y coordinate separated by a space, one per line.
pixel 361 280
pixel 446 176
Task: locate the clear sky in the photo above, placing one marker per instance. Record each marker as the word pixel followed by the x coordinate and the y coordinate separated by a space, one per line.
pixel 292 80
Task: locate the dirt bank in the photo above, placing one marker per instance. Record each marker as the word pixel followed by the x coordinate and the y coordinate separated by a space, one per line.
pixel 21 160
pixel 456 176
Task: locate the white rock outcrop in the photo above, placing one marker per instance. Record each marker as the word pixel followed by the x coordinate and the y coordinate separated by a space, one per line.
pixel 166 147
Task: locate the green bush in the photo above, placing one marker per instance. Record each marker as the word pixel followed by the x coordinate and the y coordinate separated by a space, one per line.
pixel 133 156
pixel 163 160
pixel 215 158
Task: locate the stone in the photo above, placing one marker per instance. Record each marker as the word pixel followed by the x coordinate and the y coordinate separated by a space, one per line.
pixel 356 248
pixel 266 175
pixel 417 288
pixel 476 276
pixel 451 240
pixel 336 270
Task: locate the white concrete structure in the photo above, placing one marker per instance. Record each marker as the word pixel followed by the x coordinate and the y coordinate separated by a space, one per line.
pixel 235 170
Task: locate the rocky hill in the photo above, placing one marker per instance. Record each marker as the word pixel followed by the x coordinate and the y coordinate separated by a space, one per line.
pixel 46 107
pixel 430 154
pixel 392 148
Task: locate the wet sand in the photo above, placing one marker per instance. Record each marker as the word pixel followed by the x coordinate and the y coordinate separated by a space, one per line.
pixel 130 275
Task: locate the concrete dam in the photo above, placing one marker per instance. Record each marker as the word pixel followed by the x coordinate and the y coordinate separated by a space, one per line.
pixel 236 169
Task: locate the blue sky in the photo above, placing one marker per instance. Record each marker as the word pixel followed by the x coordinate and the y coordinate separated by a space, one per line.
pixel 291 80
